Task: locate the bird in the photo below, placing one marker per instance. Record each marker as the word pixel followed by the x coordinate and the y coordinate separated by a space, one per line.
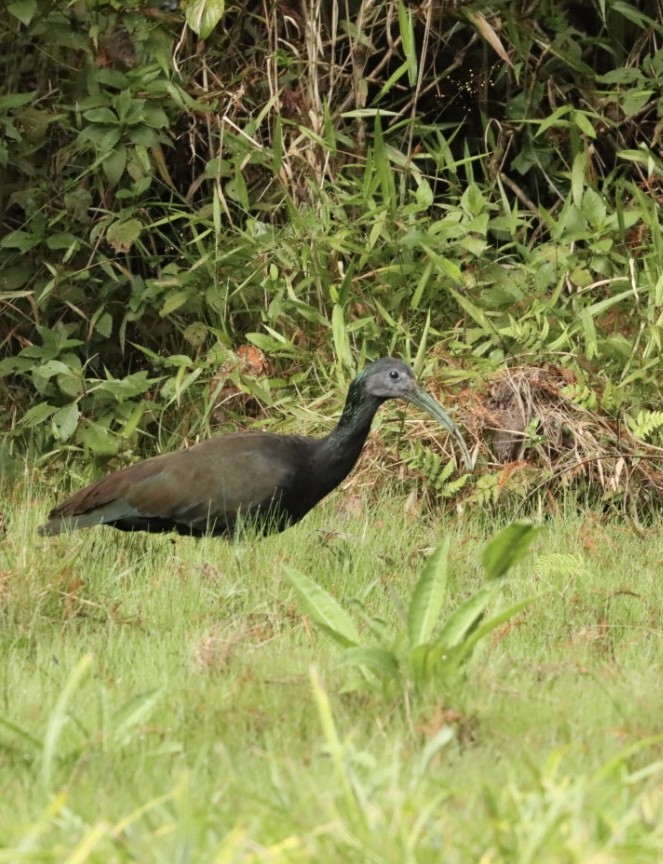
pixel 259 479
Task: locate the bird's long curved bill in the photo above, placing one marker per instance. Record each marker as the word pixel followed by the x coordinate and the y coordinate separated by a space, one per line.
pixel 431 406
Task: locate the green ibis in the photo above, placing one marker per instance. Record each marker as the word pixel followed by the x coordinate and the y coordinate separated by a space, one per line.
pixel 256 478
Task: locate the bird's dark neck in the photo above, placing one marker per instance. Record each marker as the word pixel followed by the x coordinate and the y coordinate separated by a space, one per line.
pixel 339 451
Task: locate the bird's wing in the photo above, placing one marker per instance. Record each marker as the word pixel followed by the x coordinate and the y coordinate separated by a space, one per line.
pixel 215 479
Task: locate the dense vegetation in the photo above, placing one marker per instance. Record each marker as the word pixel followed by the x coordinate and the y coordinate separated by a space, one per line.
pixel 476 187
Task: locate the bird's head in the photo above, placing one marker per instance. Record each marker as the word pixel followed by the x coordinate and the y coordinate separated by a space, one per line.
pixel 392 379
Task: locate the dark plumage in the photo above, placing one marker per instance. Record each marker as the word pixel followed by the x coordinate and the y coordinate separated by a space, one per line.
pixel 268 481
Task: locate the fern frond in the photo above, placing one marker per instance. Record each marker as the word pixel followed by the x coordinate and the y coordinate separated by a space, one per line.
pixel 645 424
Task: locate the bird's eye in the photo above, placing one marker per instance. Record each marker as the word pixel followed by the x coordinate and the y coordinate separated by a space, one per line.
pixel 394 375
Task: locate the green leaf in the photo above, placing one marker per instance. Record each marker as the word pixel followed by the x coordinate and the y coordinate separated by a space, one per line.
pixel 428 596
pixel 114 165
pixel 58 719
pixel 173 302
pixel 36 415
pixel 492 623
pixel 63 240
pixel 340 337
pixel 22 240
pixel 634 101
pixel 202 16
pixel 133 713
pixel 17 100
pixel 324 609
pixel 98 439
pixel 65 421
pixel 24 10
pixel 593 208
pixel 381 661
pixel 105 116
pixel 583 121
pixel 461 622
pixel 508 547
pixel 406 27
pixel 122 235
pixel 155 117
pixel 578 173
pixel 435 662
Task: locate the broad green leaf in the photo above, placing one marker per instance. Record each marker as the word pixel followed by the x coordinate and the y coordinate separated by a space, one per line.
pixel 420 664
pixel 428 596
pixel 379 660
pixel 114 165
pixel 22 240
pixel 488 626
pixel 50 368
pixel 593 207
pixel 36 415
pixel 11 365
pixel 508 547
pixel 105 116
pixel 122 235
pixel 634 101
pixel 173 302
pixel 582 120
pixel 103 324
pixel 202 16
pixel 128 387
pixel 65 421
pixel 62 240
pixel 461 622
pixel 324 609
pixel 155 117
pixel 17 100
pixel 98 439
pixel 435 663
pixel 24 10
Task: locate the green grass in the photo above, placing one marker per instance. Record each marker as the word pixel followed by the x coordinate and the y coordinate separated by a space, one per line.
pixel 165 700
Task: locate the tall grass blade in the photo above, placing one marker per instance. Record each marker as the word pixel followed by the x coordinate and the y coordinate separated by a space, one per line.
pixel 334 743
pixel 58 719
pixel 87 844
pixel 408 42
pixel 131 714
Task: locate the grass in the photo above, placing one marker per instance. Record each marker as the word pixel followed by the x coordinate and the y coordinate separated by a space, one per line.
pixel 165 700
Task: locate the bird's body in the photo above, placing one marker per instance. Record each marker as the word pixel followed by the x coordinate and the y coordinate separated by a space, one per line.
pixel 247 478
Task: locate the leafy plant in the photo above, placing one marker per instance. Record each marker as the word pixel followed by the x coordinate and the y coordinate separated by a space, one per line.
pixel 428 650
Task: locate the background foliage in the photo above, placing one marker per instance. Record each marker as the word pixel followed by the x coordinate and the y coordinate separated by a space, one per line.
pixel 475 186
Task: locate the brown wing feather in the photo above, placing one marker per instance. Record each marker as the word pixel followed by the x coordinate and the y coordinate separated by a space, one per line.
pixel 219 476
